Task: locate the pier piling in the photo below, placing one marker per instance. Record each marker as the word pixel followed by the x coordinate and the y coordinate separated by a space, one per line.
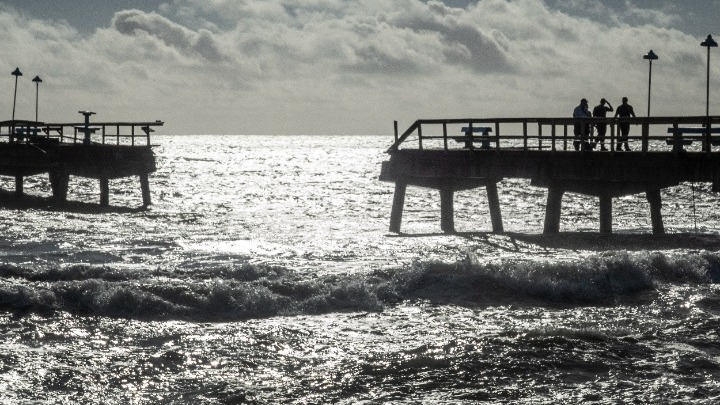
pixel 19 187
pixel 494 203
pixel 145 187
pixel 553 210
pixel 398 205
pixel 447 211
pixel 605 214
pixel 59 183
pixel 104 192
pixel 653 197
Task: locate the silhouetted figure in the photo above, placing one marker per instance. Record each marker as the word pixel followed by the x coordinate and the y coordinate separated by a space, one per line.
pixel 600 111
pixel 625 110
pixel 581 111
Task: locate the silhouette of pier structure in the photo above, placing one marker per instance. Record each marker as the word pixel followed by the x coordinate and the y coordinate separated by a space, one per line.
pixel 98 150
pixel 451 155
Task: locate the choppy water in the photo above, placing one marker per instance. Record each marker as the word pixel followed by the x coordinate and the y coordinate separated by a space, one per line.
pixel 264 273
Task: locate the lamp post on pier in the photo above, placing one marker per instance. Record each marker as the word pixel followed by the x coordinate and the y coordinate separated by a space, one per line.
pixel 709 42
pixel 650 56
pixel 15 73
pixel 37 81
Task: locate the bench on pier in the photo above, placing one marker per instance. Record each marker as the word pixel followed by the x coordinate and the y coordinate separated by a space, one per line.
pixel 679 139
pixel 468 138
pixel 49 129
pixel 25 132
pixel 82 129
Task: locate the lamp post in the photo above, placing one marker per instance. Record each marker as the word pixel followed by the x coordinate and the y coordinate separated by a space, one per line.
pixel 650 56
pixel 709 42
pixel 37 81
pixel 15 73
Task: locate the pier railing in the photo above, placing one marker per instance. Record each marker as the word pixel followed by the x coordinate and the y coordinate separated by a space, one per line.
pixel 112 133
pixel 690 133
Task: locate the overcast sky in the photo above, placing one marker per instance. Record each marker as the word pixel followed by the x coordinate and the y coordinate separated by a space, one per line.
pixel 350 67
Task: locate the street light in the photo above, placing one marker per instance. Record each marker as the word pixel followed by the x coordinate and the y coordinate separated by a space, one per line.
pixel 37 81
pixel 650 56
pixel 709 42
pixel 17 73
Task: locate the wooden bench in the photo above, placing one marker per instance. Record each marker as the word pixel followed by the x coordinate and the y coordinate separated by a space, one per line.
pixel 469 138
pixel 679 139
pixel 25 132
pixel 48 129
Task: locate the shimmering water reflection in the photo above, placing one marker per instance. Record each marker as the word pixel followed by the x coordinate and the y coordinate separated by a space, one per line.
pixel 264 273
pixel 415 351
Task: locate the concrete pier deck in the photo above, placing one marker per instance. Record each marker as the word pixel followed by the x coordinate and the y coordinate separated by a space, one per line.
pixel 446 155
pixel 106 151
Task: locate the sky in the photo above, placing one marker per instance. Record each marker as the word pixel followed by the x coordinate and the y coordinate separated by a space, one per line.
pixel 294 67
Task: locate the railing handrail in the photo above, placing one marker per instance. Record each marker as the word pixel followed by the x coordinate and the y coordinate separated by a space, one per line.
pixel 58 130
pixel 405 135
pixel 496 137
pixel 518 120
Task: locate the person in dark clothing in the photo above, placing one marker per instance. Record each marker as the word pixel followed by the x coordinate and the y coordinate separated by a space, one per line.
pixel 624 111
pixel 581 111
pixel 600 111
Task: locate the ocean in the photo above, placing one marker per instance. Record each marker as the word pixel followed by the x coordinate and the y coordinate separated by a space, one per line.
pixel 264 273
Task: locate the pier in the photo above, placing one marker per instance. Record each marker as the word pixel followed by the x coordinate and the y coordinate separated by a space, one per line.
pixel 97 150
pixel 451 155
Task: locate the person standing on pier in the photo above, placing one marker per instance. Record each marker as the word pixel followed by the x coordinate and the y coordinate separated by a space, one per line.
pixel 581 111
pixel 624 111
pixel 600 111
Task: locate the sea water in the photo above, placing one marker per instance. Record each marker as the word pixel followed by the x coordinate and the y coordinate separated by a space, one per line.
pixel 264 273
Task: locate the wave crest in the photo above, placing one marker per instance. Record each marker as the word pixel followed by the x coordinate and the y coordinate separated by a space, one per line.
pixel 253 291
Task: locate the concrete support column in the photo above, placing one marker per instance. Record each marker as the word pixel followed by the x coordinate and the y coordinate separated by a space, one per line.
pixel 447 211
pixel 494 203
pixel 145 186
pixel 104 192
pixel 552 211
pixel 653 197
pixel 59 184
pixel 19 186
pixel 605 214
pixel 397 207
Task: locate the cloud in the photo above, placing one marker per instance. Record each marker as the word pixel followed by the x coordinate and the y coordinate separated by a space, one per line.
pixel 332 66
pixel 462 40
pixel 136 22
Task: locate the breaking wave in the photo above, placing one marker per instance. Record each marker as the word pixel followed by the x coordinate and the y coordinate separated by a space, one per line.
pixel 256 291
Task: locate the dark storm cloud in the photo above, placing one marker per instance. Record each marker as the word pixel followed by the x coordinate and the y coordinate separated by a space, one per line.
pixel 464 42
pixel 202 42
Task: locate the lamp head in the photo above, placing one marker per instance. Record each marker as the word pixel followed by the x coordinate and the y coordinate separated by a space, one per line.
pixel 37 79
pixel 16 72
pixel 650 55
pixel 709 42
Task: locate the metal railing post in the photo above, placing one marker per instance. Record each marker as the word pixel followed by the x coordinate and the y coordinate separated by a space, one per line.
pixel 539 136
pixel 445 135
pixel 708 144
pixel 420 145
pixel 497 135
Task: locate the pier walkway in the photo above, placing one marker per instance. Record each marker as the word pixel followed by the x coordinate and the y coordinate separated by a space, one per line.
pixel 98 150
pixel 459 154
